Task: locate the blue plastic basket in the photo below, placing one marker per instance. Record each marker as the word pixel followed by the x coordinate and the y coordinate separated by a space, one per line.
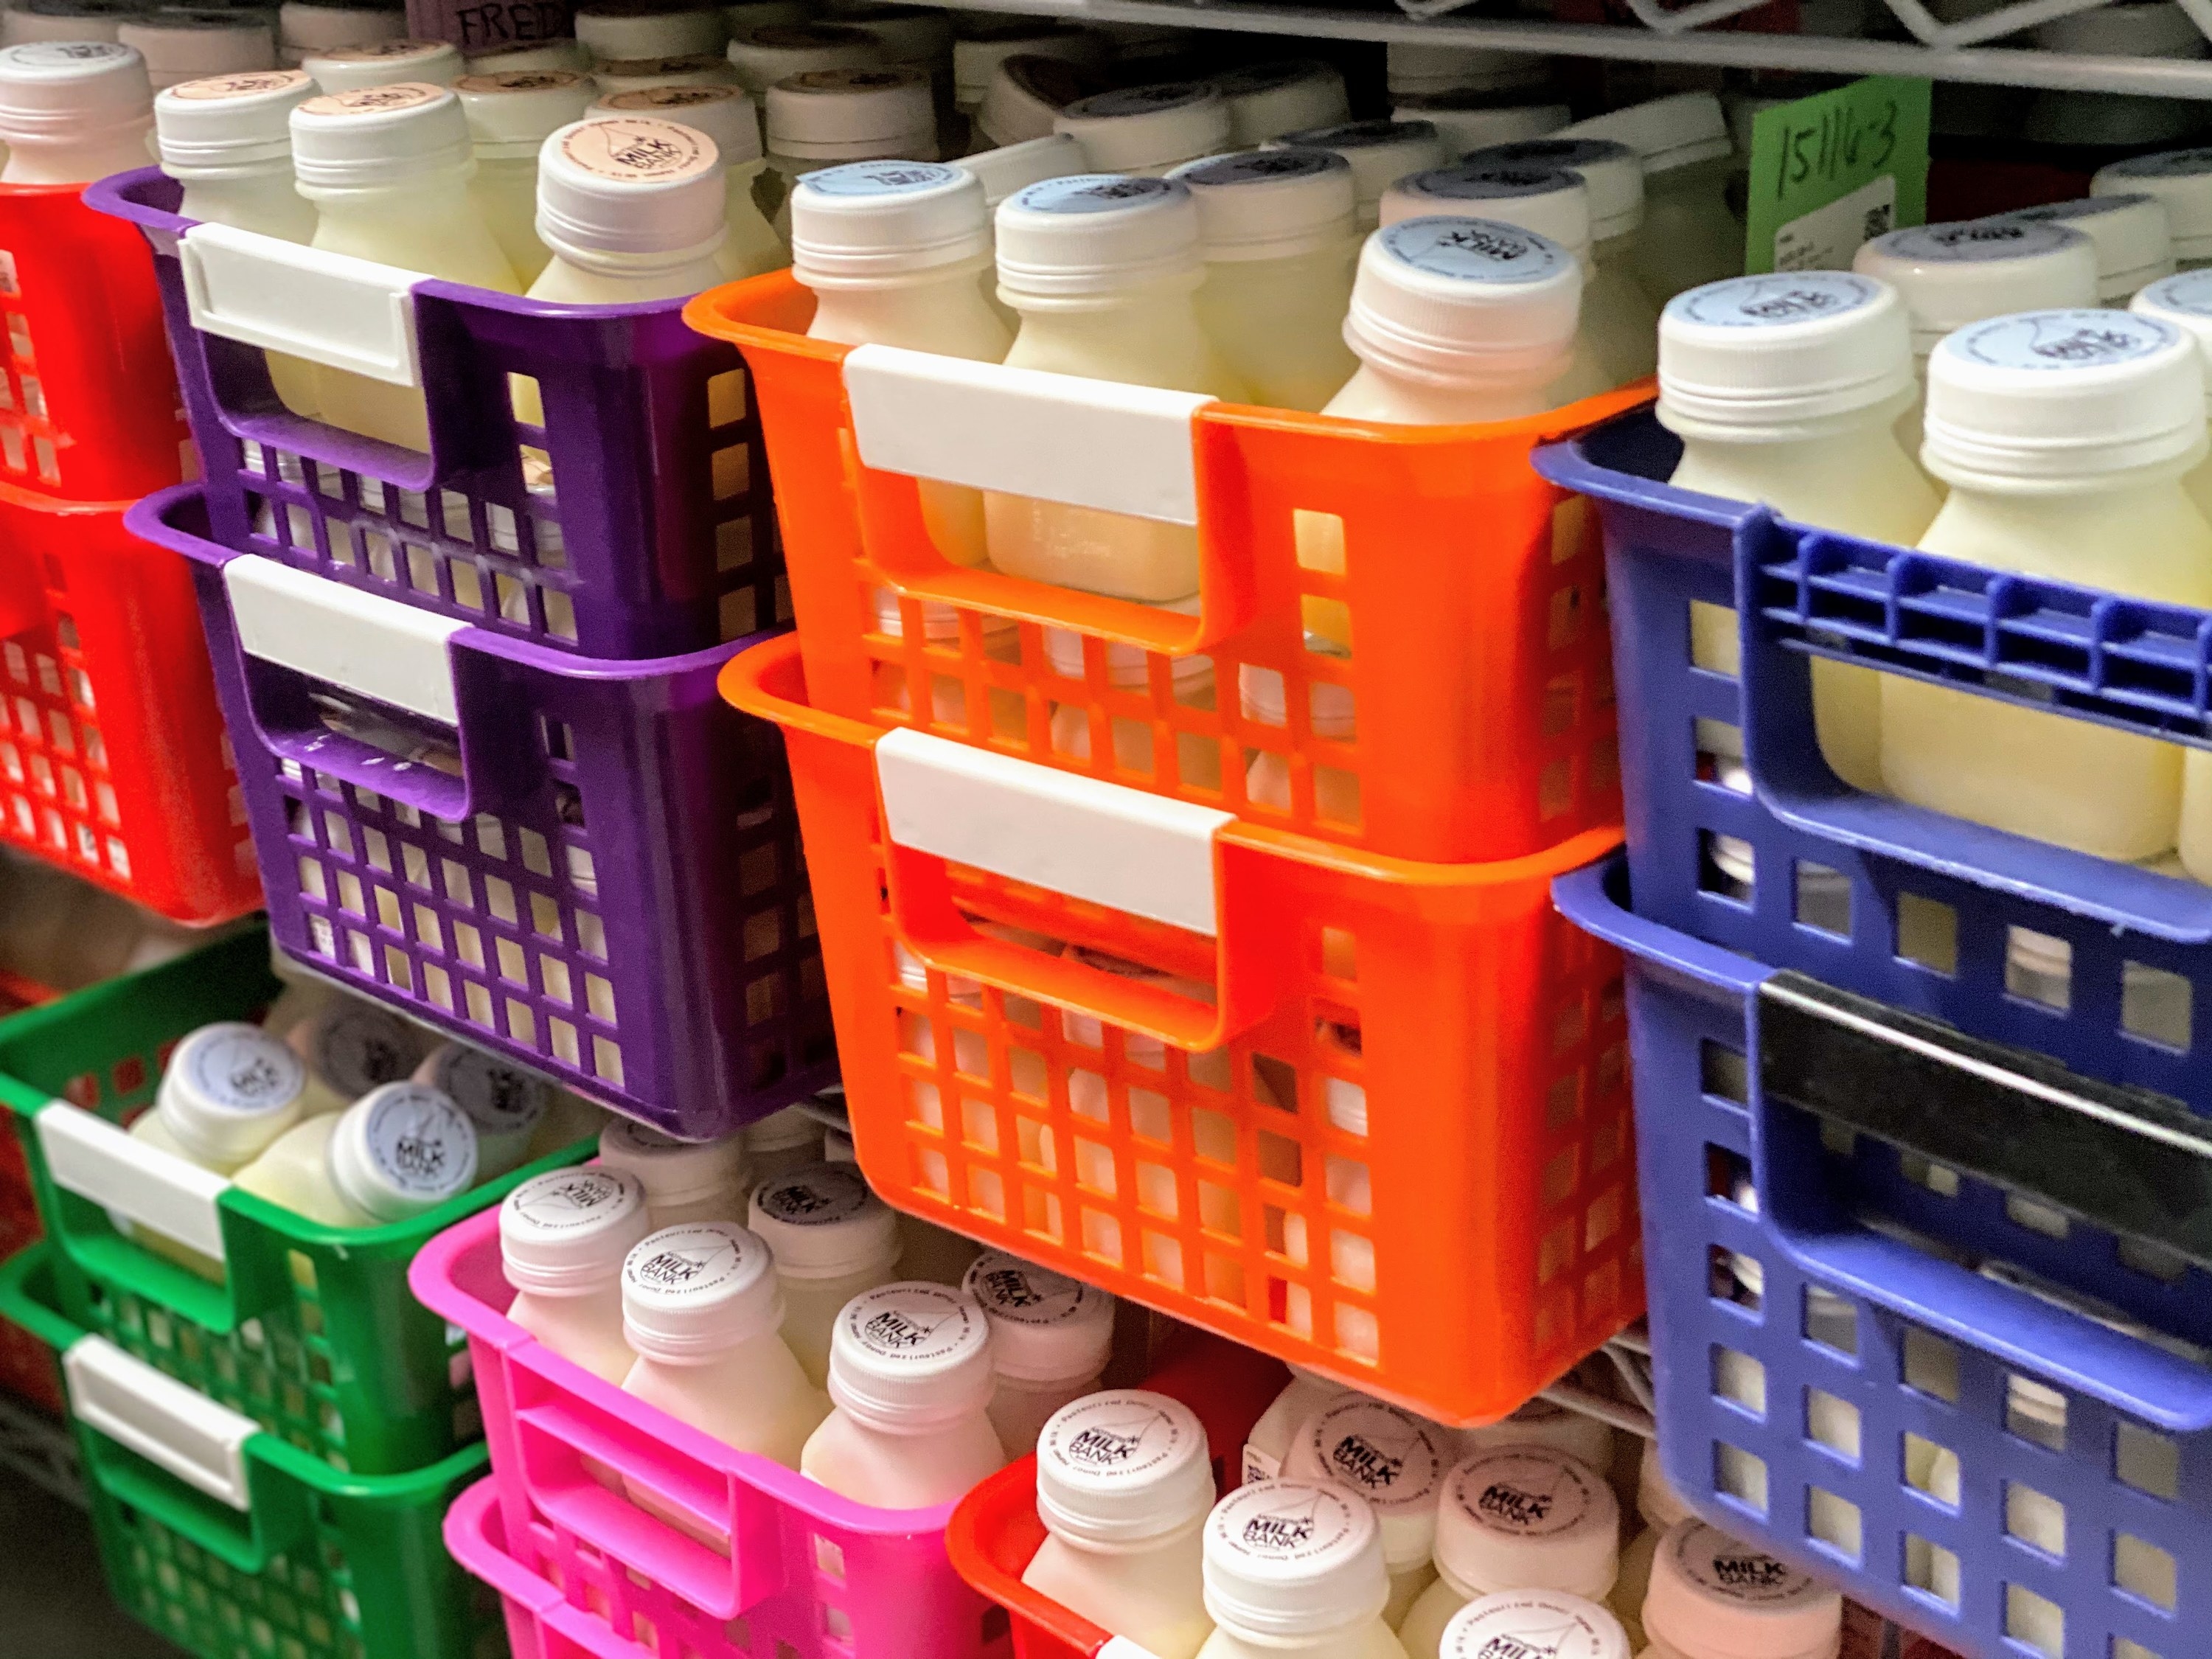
pixel 1803 1417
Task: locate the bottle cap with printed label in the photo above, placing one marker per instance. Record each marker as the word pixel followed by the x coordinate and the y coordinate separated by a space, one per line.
pixel 229 1091
pixel 1125 1467
pixel 75 22
pixel 763 57
pixel 2050 400
pixel 674 1172
pixel 852 115
pixel 1417 66
pixel 612 30
pixel 1092 236
pixel 1544 1422
pixel 383 64
pixel 1468 121
pixel 60 91
pixel 2131 233
pixel 1458 301
pixel 1611 172
pixel 726 114
pixel 884 224
pixel 2185 301
pixel 1380 153
pixel 403 1150
pixel 1286 1560
pixel 630 185
pixel 1391 1458
pixel 1527 1518
pixel 304 27
pixel 2181 180
pixel 505 1103
pixel 691 1293
pixel 1665 133
pixel 510 115
pixel 1550 201
pixel 1523 1624
pixel 1775 358
pixel 1147 128
pixel 1950 275
pixel 189 43
pixel 975 61
pixel 1027 94
pixel 908 1358
pixel 1045 1327
pixel 1267 100
pixel 823 1221
pixel 228 122
pixel 1128 667
pixel 697 69
pixel 565 1233
pixel 1713 1598
pixel 782 1131
pixel 1011 167
pixel 1271 204
pixel 378 135
pixel 354 1046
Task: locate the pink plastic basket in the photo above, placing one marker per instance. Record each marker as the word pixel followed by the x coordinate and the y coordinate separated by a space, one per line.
pixel 807 1573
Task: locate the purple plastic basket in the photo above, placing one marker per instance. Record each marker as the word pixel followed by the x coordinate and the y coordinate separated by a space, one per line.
pixel 606 884
pixel 661 539
pixel 1818 1414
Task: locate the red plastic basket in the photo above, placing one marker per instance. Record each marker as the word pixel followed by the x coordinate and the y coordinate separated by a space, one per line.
pixel 27 1364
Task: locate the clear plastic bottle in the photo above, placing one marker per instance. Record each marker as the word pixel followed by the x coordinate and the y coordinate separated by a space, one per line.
pixel 1396 1463
pixel 383 64
pixel 2064 437
pixel 833 1240
pixel 1661 1509
pixel 1294 1571
pixel 977 54
pixel 71 112
pixel 1123 1488
pixel 698 69
pixel 1289 94
pixel 1269 1443
pixel 563 1238
pixel 510 117
pixel 1547 1424
pixel 726 115
pixel 828 117
pixel 1379 153
pixel 2185 301
pixel 505 1104
pixel 613 29
pixel 1690 237
pixel 2131 234
pixel 1148 131
pixel 1050 1338
pixel 191 43
pixel 305 28
pixel 1278 232
pixel 1467 121
pixel 910 1379
pixel 2181 180
pixel 1713 1598
pixel 1549 1623
pixel 631 208
pixel 781 1142
pixel 1026 95
pixel 686 1182
pixel 73 22
pixel 398 1152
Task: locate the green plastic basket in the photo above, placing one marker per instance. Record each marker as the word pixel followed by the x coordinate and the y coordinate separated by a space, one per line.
pixel 233 1544
pixel 313 1333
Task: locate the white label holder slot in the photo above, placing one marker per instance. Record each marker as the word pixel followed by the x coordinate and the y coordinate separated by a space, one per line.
pixel 170 1425
pixel 92 1158
pixel 361 642
pixel 329 308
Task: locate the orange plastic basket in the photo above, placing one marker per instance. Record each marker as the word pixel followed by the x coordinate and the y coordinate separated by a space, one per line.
pixel 1479 679
pixel 1455 1249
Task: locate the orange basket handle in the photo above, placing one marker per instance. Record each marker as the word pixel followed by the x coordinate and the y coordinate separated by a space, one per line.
pixel 945 804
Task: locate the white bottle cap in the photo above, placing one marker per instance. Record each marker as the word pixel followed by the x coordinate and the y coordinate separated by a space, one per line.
pixel 763 57
pixel 1610 171
pixel 1093 235
pixel 2185 301
pixel 207 129
pixel 1547 1423
pixel 824 1221
pixel 1122 1467
pixel 1126 665
pixel 975 61
pixel 910 1358
pixel 1523 1624
pixel 1527 1518
pixel 1391 1458
pixel 1271 204
pixel 401 1150
pixel 910 37
pixel 59 92
pixel 1011 167
pixel 1147 128
pixel 630 185
pixel 191 43
pixel 1267 100
pixel 1286 1560
pixel 1713 1598
pixel 504 1102
pixel 229 1091
pixel 852 115
pixel 726 114
pixel 1026 95
pixel 674 1172
pixel 303 26
pixel 74 21
pixel 510 115
pixel 1952 274
pixel 566 1233
pixel 1411 66
pixel 614 29
pixel 2182 180
pixel 1045 1327
pixel 1331 710
pixel 884 224
pixel 782 1132
pixel 2131 233
pixel 2047 399
pixel 351 1045
pixel 1778 358
pixel 698 69
pixel 1452 302
pixel 383 64
pixel 563 54
pixel 1666 132
pixel 1380 153
pixel 1550 201
pixel 693 1291
pixel 1468 121
pixel 1656 1500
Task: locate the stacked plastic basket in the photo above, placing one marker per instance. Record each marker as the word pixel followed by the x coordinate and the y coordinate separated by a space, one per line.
pixel 1920 1104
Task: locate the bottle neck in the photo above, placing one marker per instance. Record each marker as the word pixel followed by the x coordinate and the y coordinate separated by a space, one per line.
pixel 79 160
pixel 443 191
pixel 630 267
pixel 842 314
pixel 1134 1552
pixel 1135 326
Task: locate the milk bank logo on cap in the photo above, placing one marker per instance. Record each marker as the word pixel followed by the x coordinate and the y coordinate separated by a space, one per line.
pixel 1770 301
pixel 551 1200
pixel 1282 1530
pixel 1119 1440
pixel 2063 339
pixel 1752 1574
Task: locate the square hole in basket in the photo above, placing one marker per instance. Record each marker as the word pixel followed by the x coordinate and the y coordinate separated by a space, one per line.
pixel 1824 899
pixel 2124 1649
pixel 1930 1366
pixel 2036 1412
pixel 2040 969
pixel 2153 1261
pixel 2143 1569
pixel 1723 1073
pixel 1727 1177
pixel 1835 1521
pixel 1715 645
pixel 1831 1321
pixel 1736 1277
pixel 1739 1474
pixel 2156 1005
pixel 1931 1569
pixel 2036 1216
pixel 1932 1470
pixel 1832 1423
pixel 1728 866
pixel 1938 1178
pixel 2035 1518
pixel 2147 1461
pixel 2035 1622
pixel 1740 1379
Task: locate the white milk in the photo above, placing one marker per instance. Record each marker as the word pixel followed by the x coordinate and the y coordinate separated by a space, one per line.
pixel 1413 67
pixel 505 1104
pixel 305 28
pixel 917 1032
pixel 398 1152
pixel 563 1239
pixel 893 251
pixel 388 170
pixel 191 43
pixel 510 117
pixel 350 1047
pixel 1549 1623
pixel 1396 1463
pixel 910 1377
pixel 1379 153
pixel 1026 95
pixel 1278 231
pixel 1269 1443
pixel 1294 1571
pixel 1050 1336
pixel 1786 389
pixel 700 69
pixel 1004 170
pixel 781 1142
pixel 1123 1488
pixel 1713 1598
pixel 2132 235
pixel 71 112
pixel 685 1181
pixel 774 51
pixel 1102 269
pixel 1689 237
pixel 2181 180
pixel 699 1310
pixel 2064 437
pixel 1467 121
pixel 1148 131
pixel 613 29
pixel 976 56
pixel 1198 760
pixel 2185 301
pixel 1661 1509
pixel 1547 1424
pixel 1332 714
pixel 833 1240
pixel 631 208
pixel 383 64
pixel 1518 1518
pixel 1267 100
pixel 827 116
pixel 726 115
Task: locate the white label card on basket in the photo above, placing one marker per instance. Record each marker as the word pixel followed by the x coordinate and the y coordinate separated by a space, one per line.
pixel 170 1425
pixel 361 642
pixel 131 1178
pixel 327 307
pixel 1113 846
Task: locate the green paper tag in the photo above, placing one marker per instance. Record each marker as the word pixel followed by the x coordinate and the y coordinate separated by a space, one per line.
pixel 1835 170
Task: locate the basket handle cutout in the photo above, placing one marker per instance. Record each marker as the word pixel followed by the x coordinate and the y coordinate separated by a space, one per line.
pixel 329 309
